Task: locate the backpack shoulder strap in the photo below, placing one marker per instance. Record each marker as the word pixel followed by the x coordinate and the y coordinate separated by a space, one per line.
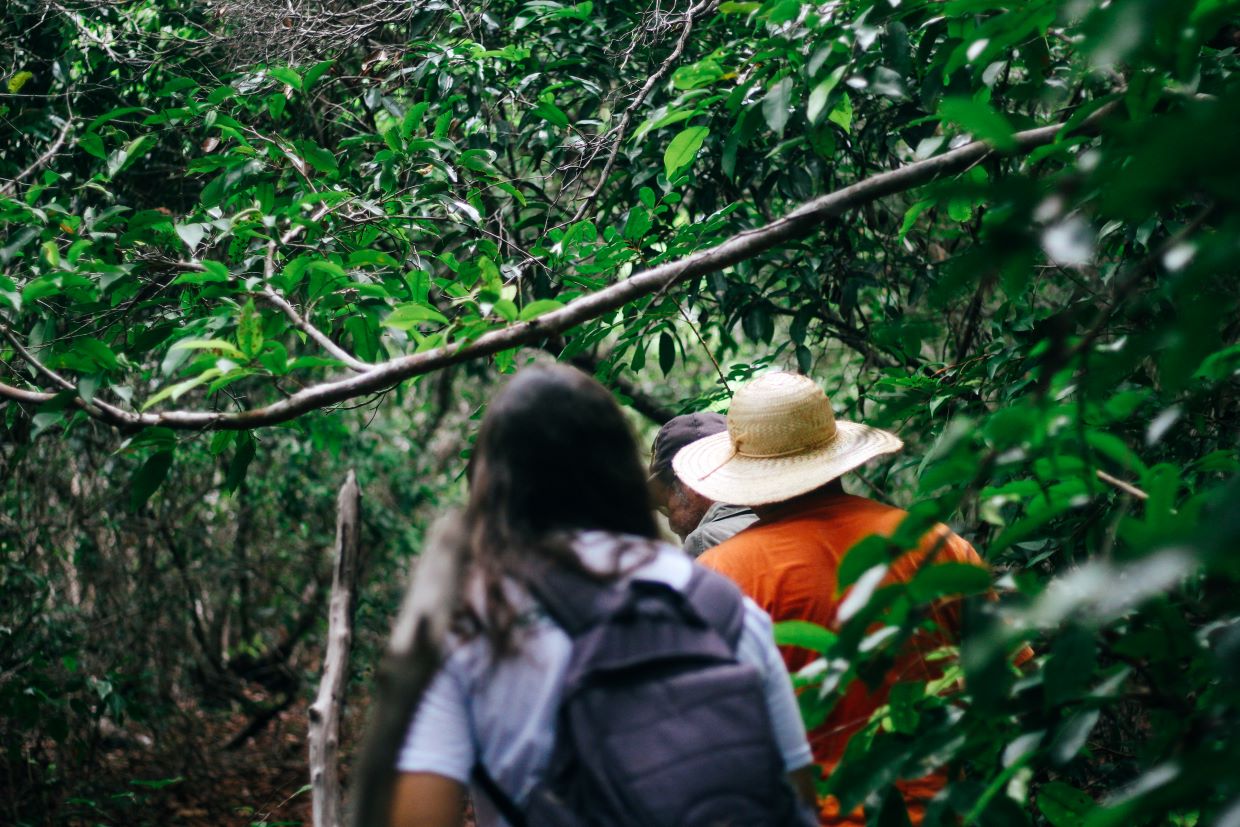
pixel 502 801
pixel 574 600
pixel 718 601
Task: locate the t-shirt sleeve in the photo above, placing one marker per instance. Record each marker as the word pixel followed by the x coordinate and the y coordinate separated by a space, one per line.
pixel 439 740
pixel 757 647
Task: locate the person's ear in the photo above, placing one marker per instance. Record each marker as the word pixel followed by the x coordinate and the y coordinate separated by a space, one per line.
pixel 660 492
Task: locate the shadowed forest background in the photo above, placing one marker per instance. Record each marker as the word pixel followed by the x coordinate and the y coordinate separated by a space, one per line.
pixel 247 246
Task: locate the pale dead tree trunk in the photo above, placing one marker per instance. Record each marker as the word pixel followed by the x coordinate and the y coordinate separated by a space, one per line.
pixel 325 711
pixel 414 654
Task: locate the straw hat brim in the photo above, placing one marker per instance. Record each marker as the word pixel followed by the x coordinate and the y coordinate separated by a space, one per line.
pixel 710 466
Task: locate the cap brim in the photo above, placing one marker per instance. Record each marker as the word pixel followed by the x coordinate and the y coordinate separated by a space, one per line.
pixel 710 467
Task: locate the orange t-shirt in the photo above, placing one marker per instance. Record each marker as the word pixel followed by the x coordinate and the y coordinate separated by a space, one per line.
pixel 787 564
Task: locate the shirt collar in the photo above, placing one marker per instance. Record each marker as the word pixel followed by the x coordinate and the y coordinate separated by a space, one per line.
pixel 799 505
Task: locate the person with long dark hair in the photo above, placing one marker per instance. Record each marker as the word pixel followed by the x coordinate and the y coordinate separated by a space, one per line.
pixel 555 484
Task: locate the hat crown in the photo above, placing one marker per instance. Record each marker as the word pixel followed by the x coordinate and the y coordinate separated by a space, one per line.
pixel 780 414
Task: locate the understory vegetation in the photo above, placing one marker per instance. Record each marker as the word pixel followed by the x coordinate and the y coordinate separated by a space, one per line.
pixel 246 246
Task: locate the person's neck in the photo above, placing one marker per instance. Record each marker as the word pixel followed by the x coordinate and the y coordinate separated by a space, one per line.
pixel 835 488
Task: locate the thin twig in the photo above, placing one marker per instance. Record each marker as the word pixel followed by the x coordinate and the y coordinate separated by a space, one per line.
pixel 705 347
pixel 96 408
pixel 1126 487
pixel 11 186
pixel 617 135
pixel 282 304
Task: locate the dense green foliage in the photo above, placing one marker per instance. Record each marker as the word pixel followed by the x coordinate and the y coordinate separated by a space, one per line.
pixel 215 207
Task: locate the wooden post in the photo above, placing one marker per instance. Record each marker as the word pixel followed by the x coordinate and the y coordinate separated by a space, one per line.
pixel 325 711
pixel 414 654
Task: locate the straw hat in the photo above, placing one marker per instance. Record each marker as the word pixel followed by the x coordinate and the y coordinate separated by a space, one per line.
pixel 782 441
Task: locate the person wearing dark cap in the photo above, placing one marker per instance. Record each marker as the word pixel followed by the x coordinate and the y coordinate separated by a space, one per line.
pixel 700 523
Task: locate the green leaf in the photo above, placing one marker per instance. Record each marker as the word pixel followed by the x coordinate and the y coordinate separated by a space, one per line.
pixel 979 119
pixel 1116 450
pixel 842 114
pixel 176 85
pixel 179 389
pixel 1072 736
pixel 667 352
pixel 371 258
pixel 93 144
pixel 148 477
pixel 17 81
pixel 213 272
pixel 226 348
pixel 637 224
pixel 892 812
pixel 88 355
pixel 250 330
pixel 775 105
pixel 537 308
pixel 315 72
pixel 683 149
pixel 124 158
pixel 948 579
pixel 805 360
pixel 191 234
pixel 286 76
pixel 804 634
pixel 1064 805
pixel 240 462
pixel 318 157
pixel 818 97
pixel 157 784
pixel 865 555
pixel 1070 669
pixel 112 115
pixel 50 254
pixel 411 314
pixel 551 113
pixel 902 706
pixel 696 75
pixel 911 215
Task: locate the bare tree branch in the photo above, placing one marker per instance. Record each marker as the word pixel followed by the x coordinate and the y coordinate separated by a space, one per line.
pixel 740 247
pixel 10 187
pixel 96 407
pixel 1126 487
pixel 282 304
pixel 277 301
pixel 325 712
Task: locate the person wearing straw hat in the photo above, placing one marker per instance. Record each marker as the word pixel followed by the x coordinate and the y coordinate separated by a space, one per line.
pixel 700 523
pixel 783 454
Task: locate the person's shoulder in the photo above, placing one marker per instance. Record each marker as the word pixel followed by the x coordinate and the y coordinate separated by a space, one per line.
pixel 739 553
pixel 856 505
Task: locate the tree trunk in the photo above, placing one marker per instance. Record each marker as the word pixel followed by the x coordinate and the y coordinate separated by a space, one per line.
pixel 325 711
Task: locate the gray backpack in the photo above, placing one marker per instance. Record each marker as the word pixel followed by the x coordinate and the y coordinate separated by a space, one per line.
pixel 659 723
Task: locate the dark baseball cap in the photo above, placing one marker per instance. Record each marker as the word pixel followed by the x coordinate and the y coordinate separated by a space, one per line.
pixel 679 432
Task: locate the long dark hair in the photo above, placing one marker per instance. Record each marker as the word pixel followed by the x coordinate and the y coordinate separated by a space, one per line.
pixel 554 455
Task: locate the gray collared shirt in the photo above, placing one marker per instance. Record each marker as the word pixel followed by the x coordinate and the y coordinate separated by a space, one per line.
pixel 720 522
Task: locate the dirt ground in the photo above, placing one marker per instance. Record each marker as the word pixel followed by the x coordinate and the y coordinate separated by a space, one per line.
pixel 197 782
pixel 192 779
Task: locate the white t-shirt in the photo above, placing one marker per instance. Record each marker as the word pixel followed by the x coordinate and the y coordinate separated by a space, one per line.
pixel 503 713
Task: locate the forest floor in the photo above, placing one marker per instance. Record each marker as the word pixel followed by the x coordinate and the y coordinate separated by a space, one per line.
pixel 196 782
